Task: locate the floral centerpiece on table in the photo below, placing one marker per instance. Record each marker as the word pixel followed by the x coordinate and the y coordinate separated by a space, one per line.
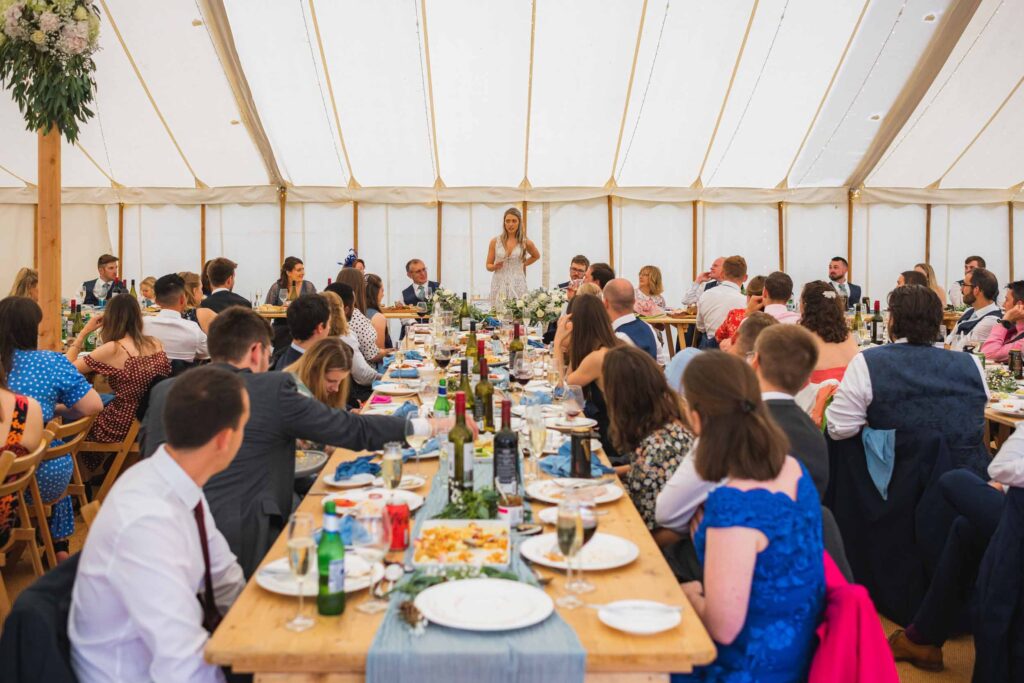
pixel 46 50
pixel 444 300
pixel 539 307
pixel 1000 380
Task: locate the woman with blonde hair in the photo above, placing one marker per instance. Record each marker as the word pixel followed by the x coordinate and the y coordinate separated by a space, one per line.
pixel 649 291
pixel 147 292
pixel 363 375
pixel 193 297
pixel 323 372
pixel 933 282
pixel 508 255
pixel 26 283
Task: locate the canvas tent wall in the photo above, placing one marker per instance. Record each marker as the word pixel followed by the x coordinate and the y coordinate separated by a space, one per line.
pixel 729 106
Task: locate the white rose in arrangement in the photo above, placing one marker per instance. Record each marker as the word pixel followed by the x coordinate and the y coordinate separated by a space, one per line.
pixel 38 37
pixel 81 14
pixel 48 22
pixel 520 303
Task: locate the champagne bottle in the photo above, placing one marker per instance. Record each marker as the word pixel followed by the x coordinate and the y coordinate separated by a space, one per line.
pixel 135 295
pixel 76 319
pixel 506 468
pixel 465 386
pixel 877 323
pixel 460 452
pixel 515 347
pixel 464 316
pixel 858 321
pixel 480 355
pixel 471 340
pixel 441 407
pixel 484 400
pixel 330 557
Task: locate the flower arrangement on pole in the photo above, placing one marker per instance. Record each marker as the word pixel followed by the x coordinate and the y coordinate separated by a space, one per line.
pixel 46 50
pixel 538 307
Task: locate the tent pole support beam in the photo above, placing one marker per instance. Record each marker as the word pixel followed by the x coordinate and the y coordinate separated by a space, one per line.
pixel 782 238
pixel 282 197
pixel 611 235
pixel 35 237
pixel 439 241
pixel 120 240
pixel 927 233
pixel 849 238
pixel 1009 207
pixel 202 239
pixel 48 238
pixel 355 226
pixel 693 206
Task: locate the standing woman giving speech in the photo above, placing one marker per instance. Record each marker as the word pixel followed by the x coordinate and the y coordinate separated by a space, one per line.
pixel 507 257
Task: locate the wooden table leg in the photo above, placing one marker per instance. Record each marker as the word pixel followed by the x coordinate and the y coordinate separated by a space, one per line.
pixel 668 341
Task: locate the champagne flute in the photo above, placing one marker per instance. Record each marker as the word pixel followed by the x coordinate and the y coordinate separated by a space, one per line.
pixel 538 438
pixel 569 531
pixel 301 552
pixel 391 464
pixel 371 539
pixel 588 519
pixel 418 429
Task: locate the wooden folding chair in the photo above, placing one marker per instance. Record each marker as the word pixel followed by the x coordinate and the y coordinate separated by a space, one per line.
pixel 121 452
pixel 23 470
pixel 73 435
pixel 90 511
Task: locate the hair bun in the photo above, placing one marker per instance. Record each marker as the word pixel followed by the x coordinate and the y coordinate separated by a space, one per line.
pixel 746 406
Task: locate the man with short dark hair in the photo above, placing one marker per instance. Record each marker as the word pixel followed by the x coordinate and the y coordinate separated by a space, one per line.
pixel 955 295
pixel 746 335
pixel 979 291
pixel 838 271
pixel 577 272
pixel 251 500
pixel 778 290
pixel 715 304
pixel 154 546
pixel 422 287
pixel 96 290
pixel 308 319
pixel 221 272
pixel 618 301
pixel 183 339
pixel 600 274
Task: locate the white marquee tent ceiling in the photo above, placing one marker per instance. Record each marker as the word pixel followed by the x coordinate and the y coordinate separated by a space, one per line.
pixel 464 100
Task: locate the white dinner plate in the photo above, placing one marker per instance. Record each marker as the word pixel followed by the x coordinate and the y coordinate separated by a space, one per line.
pixel 429 455
pixel 559 422
pixel 392 389
pixel 353 482
pixel 408 483
pixel 484 604
pixel 413 500
pixel 639 617
pixel 276 576
pixel 381 409
pixel 547 410
pixel 550 491
pixel 604 551
pixel 999 408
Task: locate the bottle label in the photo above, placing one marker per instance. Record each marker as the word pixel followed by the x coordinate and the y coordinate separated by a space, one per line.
pixel 505 467
pixel 465 324
pixel 336 576
pixel 468 454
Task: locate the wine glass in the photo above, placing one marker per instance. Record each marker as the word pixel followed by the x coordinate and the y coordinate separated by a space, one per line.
pixel 522 371
pixel 569 531
pixel 588 519
pixel 371 539
pixel 538 438
pixel 443 355
pixel 428 386
pixel 391 465
pixel 573 402
pixel 418 429
pixel 301 552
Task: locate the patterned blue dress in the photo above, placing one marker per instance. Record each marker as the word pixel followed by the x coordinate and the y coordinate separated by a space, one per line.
pixel 787 596
pixel 50 378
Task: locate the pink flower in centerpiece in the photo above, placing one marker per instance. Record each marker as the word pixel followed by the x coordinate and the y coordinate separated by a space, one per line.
pixel 12 22
pixel 49 22
pixel 74 38
pixel 646 306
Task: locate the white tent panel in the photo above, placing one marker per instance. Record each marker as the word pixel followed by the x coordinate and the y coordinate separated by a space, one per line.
pixel 576 227
pixel 883 56
pixel 16 222
pixel 858 258
pixel 777 89
pixel 895 239
pixel 653 235
pixel 750 230
pixel 83 235
pixel 814 233
pixel 994 160
pixel 321 235
pixel 249 235
pixel 580 73
pixel 276 46
pixel 159 240
pixel 982 70
pixel 962 231
pixel 458 271
pixel 479 54
pixel 1018 245
pixel 411 233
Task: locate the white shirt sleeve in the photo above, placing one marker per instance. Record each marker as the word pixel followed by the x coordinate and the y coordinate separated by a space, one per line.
pixel 1008 465
pixel 625 337
pixel 682 494
pixel 692 294
pixel 362 372
pixel 202 350
pixel 849 409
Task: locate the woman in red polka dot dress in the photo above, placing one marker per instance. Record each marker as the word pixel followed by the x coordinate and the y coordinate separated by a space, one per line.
pixel 129 360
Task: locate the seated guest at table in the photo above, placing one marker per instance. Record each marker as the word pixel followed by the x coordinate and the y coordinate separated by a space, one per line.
pixel 911 385
pixel 705 281
pixel 577 271
pixel 742 343
pixel 955 296
pixel 147 297
pixel 715 304
pixel 183 340
pixel 422 287
pixel 26 284
pixel 323 372
pixel 340 299
pixel 358 323
pixel 21 424
pixel 838 270
pixel 308 318
pixel 979 291
pixel 646 421
pixel 130 360
pixel 154 546
pixel 760 536
pixel 619 301
pixel 933 282
pixel 204 279
pixel 778 290
pixel 820 313
pixel 293 275
pixel 96 289
pixel 979 506
pixel 252 499
pixel 61 390
pixel 221 272
pixel 587 334
pixel 649 299
pixel 374 302
pixel 912 277
pixel 1008 334
pixel 755 302
pixel 600 274
pixel 193 298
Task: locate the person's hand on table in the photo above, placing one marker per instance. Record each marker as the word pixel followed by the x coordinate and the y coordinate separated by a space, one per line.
pixel 95 323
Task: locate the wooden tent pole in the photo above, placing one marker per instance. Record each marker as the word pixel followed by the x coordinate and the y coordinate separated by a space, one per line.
pixel 439 241
pixel 48 239
pixel 355 226
pixel 782 240
pixel 202 238
pixel 849 238
pixel 120 240
pixel 282 197
pixel 693 204
pixel 611 235
pixel 927 233
pixel 35 238
pixel 1009 206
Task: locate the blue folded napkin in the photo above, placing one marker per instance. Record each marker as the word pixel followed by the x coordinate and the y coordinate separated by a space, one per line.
pixel 880 452
pixel 535 343
pixel 405 373
pixel 537 398
pixel 431 445
pixel 348 522
pixel 405 409
pixel 560 464
pixel 492 322
pixel 413 354
pixel 361 465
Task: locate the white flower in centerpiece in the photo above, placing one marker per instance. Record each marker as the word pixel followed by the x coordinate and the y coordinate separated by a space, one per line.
pixel 521 304
pixel 49 22
pixel 38 37
pixel 81 14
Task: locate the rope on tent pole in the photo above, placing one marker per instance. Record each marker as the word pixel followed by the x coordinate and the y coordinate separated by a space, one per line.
pixel 611 233
pixel 120 239
pixel 202 237
pixel 355 226
pixel 647 87
pixel 782 238
pixel 694 227
pixel 438 241
pixel 928 233
pixel 849 236
pixel 282 197
pixel 429 93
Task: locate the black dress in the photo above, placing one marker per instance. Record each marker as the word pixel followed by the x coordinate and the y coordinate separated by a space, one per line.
pixel 595 408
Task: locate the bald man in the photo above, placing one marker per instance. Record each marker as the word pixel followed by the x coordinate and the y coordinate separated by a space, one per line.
pixel 618 301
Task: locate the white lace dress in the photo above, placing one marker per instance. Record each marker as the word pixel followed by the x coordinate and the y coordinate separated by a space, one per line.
pixel 510 281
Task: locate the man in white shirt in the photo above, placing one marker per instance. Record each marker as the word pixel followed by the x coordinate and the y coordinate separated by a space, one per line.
pixel 183 339
pixel 145 600
pixel 715 304
pixel 705 281
pixel 778 290
pixel 979 290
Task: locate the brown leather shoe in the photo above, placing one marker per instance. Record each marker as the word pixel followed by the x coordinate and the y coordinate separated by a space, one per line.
pixel 927 657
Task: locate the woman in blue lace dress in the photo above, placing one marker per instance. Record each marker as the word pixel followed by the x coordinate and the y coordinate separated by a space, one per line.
pixel 760 537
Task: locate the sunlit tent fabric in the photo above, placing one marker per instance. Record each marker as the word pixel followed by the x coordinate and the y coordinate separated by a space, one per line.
pixel 696 118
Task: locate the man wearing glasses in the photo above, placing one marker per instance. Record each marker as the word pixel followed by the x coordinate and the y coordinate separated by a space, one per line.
pixel 421 288
pixel 577 270
pixel 978 289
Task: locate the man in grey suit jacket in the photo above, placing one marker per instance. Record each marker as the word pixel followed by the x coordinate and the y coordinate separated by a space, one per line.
pixel 252 499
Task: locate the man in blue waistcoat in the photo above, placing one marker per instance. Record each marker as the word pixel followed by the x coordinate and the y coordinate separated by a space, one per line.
pixel 618 301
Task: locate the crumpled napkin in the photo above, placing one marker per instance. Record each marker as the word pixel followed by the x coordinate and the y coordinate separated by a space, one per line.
pixel 431 445
pixel 405 373
pixel 360 465
pixel 560 464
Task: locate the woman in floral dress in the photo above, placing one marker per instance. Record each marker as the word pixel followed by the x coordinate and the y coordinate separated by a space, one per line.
pixel 507 257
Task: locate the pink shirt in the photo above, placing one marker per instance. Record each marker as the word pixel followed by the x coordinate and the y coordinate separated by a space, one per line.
pixel 998 345
pixel 782 314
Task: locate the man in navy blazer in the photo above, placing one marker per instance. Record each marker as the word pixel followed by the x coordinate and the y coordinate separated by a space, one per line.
pixel 838 267
pixel 97 288
pixel 619 299
pixel 422 287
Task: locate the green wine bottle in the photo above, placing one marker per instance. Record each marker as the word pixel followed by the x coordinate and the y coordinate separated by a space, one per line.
pixel 515 347
pixel 480 355
pixel 484 400
pixel 132 291
pixel 471 340
pixel 460 452
pixel 441 406
pixel 464 316
pixel 330 557
pixel 466 386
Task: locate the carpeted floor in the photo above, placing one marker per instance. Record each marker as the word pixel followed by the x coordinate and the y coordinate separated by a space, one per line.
pixel 957 655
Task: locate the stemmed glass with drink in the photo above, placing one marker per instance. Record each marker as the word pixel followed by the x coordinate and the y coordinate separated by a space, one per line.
pixel 538 439
pixel 588 519
pixel 443 355
pixel 573 402
pixel 522 371
pixel 569 532
pixel 419 429
pixel 301 551
pixel 391 463
pixel 371 539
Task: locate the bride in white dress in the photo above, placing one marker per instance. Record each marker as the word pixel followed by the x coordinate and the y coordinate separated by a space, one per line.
pixel 507 257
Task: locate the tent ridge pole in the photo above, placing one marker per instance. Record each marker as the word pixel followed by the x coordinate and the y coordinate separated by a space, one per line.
pixel 529 90
pixel 282 194
pixel 1009 206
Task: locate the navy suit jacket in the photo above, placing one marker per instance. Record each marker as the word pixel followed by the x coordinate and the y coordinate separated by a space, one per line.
pixel 409 293
pixel 854 293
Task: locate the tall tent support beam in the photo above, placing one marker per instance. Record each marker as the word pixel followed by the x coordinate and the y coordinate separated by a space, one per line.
pixel 355 226
pixel 693 206
pixel 120 240
pixel 1009 206
pixel 35 237
pixel 782 237
pixel 954 23
pixel 611 234
pixel 430 96
pixel 529 97
pixel 202 238
pixel 48 239
pixel 282 198
pixel 927 233
pixel 439 241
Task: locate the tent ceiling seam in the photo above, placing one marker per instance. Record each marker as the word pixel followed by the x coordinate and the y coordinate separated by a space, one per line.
pixel 330 88
pixel 629 87
pixel 430 94
pixel 728 90
pixel 99 168
pixel 142 81
pixel 529 95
